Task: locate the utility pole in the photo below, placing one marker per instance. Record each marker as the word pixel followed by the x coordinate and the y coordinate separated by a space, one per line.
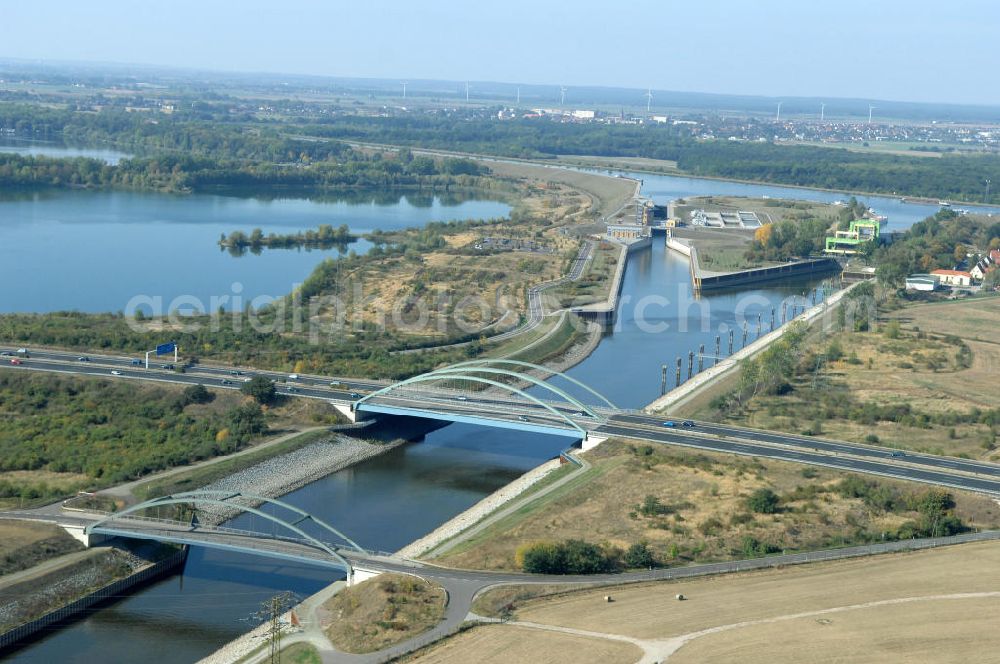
pixel 270 612
pixel 701 358
pixel 663 380
pixel 690 363
pixel 987 199
pixel 679 362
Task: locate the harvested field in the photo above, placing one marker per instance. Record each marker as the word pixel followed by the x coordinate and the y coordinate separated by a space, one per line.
pixel 650 611
pixel 503 644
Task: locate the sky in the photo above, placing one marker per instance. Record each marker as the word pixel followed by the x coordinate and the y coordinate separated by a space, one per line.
pixel 912 50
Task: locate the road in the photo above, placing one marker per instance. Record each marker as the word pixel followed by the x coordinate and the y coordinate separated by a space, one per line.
pixel 950 472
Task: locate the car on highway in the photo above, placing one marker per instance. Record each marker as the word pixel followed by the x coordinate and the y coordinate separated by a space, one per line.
pixel 335 383
pixel 16 362
pixel 687 423
pixel 897 453
pixel 226 381
pixel 115 372
pixel 22 351
pixel 166 366
pixel 235 372
pixel 670 424
pixel 293 376
pixel 460 398
pixel 355 395
pixel 292 389
pixel 136 363
pixel 83 358
pixel 522 418
pixel 6 353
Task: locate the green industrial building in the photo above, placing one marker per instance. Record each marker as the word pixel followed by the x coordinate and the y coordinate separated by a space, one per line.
pixel 848 242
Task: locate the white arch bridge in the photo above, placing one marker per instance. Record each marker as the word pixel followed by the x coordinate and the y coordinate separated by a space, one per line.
pixel 494 392
pixel 287 532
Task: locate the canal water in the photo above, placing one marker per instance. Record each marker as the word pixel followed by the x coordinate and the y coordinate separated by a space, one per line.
pixel 390 501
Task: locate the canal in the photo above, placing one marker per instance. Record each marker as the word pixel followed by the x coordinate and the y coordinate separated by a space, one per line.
pixel 392 500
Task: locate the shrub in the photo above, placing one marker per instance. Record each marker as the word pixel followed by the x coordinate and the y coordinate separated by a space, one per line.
pixel 872 439
pixel 568 557
pixel 763 501
pixel 639 555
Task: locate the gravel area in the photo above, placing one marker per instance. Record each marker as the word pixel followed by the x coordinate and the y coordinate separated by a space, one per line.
pixel 282 474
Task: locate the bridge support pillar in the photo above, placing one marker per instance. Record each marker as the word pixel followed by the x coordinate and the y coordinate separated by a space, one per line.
pixel 88 540
pixel 346 410
pixel 359 574
pixel 592 440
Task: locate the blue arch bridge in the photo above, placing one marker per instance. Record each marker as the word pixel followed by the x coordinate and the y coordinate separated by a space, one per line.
pixel 494 392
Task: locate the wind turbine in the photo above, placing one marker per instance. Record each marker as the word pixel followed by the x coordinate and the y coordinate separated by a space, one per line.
pixel 519 95
pixel 870 109
pixel 822 112
pixel 649 99
pixel 562 96
pixel 466 91
pixel 777 118
pixel 404 89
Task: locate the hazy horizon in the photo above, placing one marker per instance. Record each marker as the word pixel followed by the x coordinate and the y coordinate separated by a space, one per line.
pixel 893 51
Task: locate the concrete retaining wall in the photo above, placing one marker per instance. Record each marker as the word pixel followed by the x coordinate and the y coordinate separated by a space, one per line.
pixel 14 636
pixel 820 313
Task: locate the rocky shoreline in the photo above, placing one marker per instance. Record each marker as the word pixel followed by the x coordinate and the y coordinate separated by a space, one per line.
pixel 285 473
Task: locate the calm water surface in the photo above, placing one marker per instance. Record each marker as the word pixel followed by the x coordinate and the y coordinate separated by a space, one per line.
pixel 95 251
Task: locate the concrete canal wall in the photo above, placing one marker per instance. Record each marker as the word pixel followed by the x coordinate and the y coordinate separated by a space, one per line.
pixel 703 280
pixel 14 636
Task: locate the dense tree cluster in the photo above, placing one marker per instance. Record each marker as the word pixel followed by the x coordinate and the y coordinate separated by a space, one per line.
pixel 109 430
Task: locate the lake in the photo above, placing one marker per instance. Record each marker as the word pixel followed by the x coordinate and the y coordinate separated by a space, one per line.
pixel 94 251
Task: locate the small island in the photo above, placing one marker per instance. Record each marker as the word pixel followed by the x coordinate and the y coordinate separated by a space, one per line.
pixel 324 237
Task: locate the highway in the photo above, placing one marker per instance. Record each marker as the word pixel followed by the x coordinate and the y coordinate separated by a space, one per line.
pixel 428 402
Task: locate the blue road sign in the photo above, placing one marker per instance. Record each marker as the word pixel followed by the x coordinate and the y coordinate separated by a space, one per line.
pixel 163 349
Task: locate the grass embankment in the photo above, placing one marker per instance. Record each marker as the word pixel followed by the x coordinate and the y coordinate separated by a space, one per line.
pixel 925 380
pixel 605 195
pixel 692 507
pixel 931 605
pixel 383 611
pixel 36 595
pixel 24 544
pixel 300 653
